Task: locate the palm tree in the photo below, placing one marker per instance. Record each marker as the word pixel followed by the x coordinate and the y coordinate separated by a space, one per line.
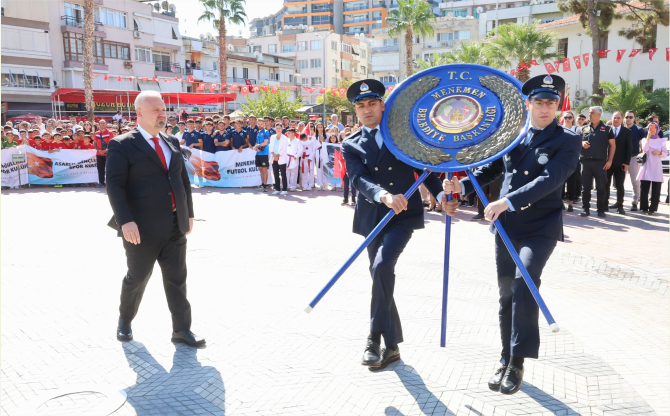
pixel 220 12
pixel 414 17
pixel 628 96
pixel 89 26
pixel 518 42
pixel 469 53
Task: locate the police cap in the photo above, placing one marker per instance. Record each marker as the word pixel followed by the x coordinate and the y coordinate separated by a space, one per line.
pixel 367 89
pixel 544 86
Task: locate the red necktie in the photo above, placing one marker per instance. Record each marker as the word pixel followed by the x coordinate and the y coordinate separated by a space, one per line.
pixel 161 156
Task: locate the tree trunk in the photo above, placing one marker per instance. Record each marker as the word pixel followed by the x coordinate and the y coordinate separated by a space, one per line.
pixel 223 67
pixel 409 44
pixel 89 26
pixel 595 40
pixel 522 74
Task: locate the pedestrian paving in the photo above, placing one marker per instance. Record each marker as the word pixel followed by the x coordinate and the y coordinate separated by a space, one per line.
pixel 255 261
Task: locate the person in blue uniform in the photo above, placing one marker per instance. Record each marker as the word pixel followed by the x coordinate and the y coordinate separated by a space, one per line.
pixel 252 130
pixel 207 137
pixel 192 137
pixel 530 210
pixel 381 180
pixel 239 139
pixel 269 125
pixel 262 149
pixel 221 141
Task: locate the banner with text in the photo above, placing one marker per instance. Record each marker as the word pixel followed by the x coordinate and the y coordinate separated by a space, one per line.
pixel 229 169
pixel 61 168
pixel 10 169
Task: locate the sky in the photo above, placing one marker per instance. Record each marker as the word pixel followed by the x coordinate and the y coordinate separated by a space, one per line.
pixel 188 12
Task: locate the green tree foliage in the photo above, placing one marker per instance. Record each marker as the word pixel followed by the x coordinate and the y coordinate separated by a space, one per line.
pixel 340 104
pixel 274 105
pixel 469 52
pixel 413 18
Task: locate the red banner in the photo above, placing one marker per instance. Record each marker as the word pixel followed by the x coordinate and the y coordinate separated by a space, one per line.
pixel 634 52
pixel 667 54
pixel 652 51
pixel 512 72
pixel 212 87
pixel 178 79
pixel 391 87
pixel 533 62
pixel 585 58
pixel 154 79
pixel 550 67
pixel 603 54
pixel 619 54
pixel 106 77
pixel 274 90
pixel 234 87
pixel 119 78
pixel 255 88
pixel 293 88
pixel 522 65
pixel 566 65
pixel 247 81
pixel 264 88
pixel 322 90
pixel 201 86
pixel 343 92
pixel 244 90
pixel 578 62
pixel 189 78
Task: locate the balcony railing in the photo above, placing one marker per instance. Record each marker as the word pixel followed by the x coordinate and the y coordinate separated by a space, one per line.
pixel 24 85
pixel 298 11
pixel 168 67
pixel 440 44
pixel 240 81
pixel 72 21
pixel 357 20
pixel 320 9
pixel 389 48
pixel 348 7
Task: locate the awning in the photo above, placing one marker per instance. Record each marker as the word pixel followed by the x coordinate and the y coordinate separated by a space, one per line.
pixel 72 95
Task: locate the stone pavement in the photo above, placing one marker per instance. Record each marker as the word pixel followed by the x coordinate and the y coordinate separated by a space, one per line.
pixel 255 261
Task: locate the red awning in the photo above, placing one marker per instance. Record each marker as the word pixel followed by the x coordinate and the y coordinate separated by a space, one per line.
pixel 72 95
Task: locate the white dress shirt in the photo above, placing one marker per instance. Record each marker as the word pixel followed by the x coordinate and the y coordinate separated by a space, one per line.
pixel 164 146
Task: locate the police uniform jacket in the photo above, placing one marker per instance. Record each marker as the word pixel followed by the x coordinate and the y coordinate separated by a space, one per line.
pixel 533 176
pixel 371 170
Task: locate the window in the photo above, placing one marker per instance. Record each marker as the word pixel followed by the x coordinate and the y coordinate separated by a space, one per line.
pixel 73 44
pixel 650 34
pixel 444 37
pixel 333 45
pixel 302 46
pixel 387 79
pixel 462 34
pixel 602 43
pixel 74 11
pixel 510 5
pixel 257 49
pixel 272 48
pixel 391 42
pixel 305 82
pixel 563 47
pixel 346 47
pixel 234 72
pixel 460 12
pixel 302 64
pixel 362 70
pixel 334 63
pixel 315 63
pixel 245 73
pixel 290 78
pixel 334 83
pixel 142 54
pixel 346 65
pixel 161 57
pixel 287 47
pixel 416 40
pixel 315 45
pixel 316 82
pixel 116 50
pixel 647 84
pixel 363 53
pixel 110 17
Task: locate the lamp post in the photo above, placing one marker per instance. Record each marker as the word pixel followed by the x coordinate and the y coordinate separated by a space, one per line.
pixel 323 64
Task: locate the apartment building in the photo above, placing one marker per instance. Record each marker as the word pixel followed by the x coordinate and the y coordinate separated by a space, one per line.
pixel 497 12
pixel 268 25
pixel 319 14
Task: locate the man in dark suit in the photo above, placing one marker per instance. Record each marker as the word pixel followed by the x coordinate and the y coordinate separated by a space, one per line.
pixel 621 161
pixel 150 194
pixel 381 180
pixel 531 211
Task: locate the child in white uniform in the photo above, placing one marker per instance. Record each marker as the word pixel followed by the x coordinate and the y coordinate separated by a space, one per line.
pixel 293 152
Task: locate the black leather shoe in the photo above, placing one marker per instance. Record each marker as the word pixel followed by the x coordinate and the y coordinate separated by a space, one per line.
pixel 633 207
pixel 512 381
pixel 614 206
pixel 494 383
pixel 124 332
pixel 188 338
pixel 388 356
pixel 570 208
pixel 602 214
pixel 620 211
pixel 585 213
pixel 371 356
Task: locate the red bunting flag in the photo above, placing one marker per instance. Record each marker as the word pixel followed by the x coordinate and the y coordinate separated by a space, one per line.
pixel 212 87
pixel 284 87
pixel 189 78
pixel 578 62
pixel 274 90
pixel 391 87
pixel 244 90
pixel 96 75
pixel 634 52
pixel 223 87
pixel 533 62
pixel 132 77
pixel 667 54
pixel 322 90
pixel 154 79
pixel 557 65
pixel 255 88
pixel 333 91
pixel 145 78
pixel 652 51
pixel 201 86
pixel 234 87
pixel 166 80
pixel 106 77
pixel 619 54
pixel 585 58
pixel 549 67
pixel 512 72
pixel 178 79
pixel 522 65
pixel 343 92
pixel 264 88
pixel 293 88
pixel 603 53
pixel 119 78
pixel 566 65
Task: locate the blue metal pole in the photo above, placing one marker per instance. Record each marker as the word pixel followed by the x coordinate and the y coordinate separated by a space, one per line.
pixel 367 242
pixel 445 279
pixel 515 256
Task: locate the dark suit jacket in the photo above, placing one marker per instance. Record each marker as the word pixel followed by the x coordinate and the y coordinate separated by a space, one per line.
pixel 139 188
pixel 371 170
pixel 624 148
pixel 533 187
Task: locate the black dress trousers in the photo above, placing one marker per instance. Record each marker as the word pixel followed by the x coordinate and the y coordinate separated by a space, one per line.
pixel 593 169
pixel 619 176
pixel 170 252
pixel 384 252
pixel 519 313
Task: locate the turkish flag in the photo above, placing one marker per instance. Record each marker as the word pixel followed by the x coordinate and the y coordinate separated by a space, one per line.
pixel 578 62
pixel 255 88
pixel 201 86
pixel 322 90
pixel 667 54
pixel 652 51
pixel 119 78
pixel 223 87
pixel 308 89
pixel 284 87
pixel 343 92
pixel 96 75
pixel 391 87
pixel 585 58
pixel 264 88
pixel 634 52
pixel 212 87
pixel 244 90
pixel 189 78
pixel 274 90
pixel 566 65
pixel 145 78
pixel 307 130
pixel 533 62
pixel 557 65
pixel 339 168
pixel 234 87
pixel 154 79
pixel 619 54
pixel 293 88
pixel 512 72
pixel 178 79
pixel 106 77
pixel 333 91
pixel 522 65
pixel 166 80
pixel 603 54
pixel 132 77
pixel 549 67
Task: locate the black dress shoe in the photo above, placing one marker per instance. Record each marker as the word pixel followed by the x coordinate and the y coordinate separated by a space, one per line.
pixel 602 214
pixel 633 207
pixel 188 338
pixel 614 206
pixel 494 383
pixel 570 208
pixel 621 211
pixel 512 381
pixel 372 355
pixel 585 213
pixel 388 356
pixel 478 217
pixel 124 332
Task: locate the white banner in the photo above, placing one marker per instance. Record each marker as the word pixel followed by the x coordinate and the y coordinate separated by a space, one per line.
pixel 10 169
pixel 230 169
pixel 63 167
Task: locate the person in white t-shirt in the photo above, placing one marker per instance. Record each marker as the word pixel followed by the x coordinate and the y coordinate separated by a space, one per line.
pixel 117 117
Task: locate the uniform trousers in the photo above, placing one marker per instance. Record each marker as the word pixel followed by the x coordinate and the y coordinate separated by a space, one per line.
pixel 574 183
pixel 292 174
pixel 319 175
pixel 170 252
pixel 276 170
pixel 348 185
pixel 633 170
pixel 384 252
pixel 519 313
pixel 619 176
pixel 492 191
pixel 593 169
pixel 655 195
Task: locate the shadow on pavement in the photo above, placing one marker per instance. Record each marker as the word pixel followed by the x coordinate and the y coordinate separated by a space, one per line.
pixel 412 381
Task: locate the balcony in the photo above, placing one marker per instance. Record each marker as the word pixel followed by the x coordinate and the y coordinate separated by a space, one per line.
pixel 382 49
pixel 24 84
pixel 456 4
pixel 71 21
pixel 350 7
pixel 356 20
pixel 172 67
pixel 242 81
pixel 439 44
pixel 322 9
pixel 546 8
pixel 298 11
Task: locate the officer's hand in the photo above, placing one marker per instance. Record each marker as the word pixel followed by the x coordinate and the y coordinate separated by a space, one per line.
pixel 586 145
pixel 451 186
pixel 397 203
pixel 494 209
pixel 449 207
pixel 131 233
pixel 190 226
pixel 608 165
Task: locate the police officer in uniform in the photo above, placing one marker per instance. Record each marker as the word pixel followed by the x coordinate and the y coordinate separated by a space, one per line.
pixel 597 138
pixel 531 211
pixel 381 180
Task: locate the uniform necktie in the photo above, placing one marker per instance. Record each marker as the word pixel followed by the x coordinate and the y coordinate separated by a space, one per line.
pixel 161 156
pixel 372 134
pixel 531 133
